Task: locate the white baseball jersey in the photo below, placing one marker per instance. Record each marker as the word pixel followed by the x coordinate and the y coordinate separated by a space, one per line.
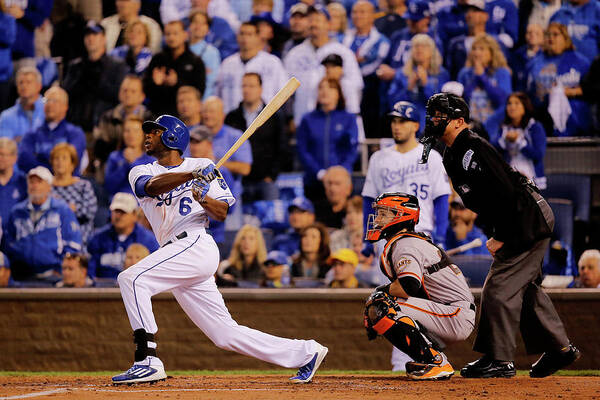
pixel 232 70
pixel 186 265
pixel 392 171
pixel 304 62
pixel 175 212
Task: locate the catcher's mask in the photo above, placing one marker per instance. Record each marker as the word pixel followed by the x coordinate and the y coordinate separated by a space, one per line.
pixel 393 212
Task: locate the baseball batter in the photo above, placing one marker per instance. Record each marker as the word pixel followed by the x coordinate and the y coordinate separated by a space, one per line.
pixel 177 195
pixel 428 298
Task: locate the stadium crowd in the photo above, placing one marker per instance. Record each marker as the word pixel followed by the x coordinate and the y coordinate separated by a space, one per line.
pixel 78 78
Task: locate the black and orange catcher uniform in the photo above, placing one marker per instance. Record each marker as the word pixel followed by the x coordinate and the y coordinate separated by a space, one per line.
pixel 439 305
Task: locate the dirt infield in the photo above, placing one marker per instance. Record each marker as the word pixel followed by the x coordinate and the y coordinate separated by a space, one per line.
pixel 276 387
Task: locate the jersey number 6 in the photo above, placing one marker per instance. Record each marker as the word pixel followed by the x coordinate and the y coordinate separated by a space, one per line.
pixel 184 207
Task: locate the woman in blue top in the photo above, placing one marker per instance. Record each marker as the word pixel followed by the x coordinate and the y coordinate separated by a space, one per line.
pixel 135 52
pixel 421 77
pixel 522 140
pixel 120 162
pixel 199 29
pixel 486 78
pixel 326 136
pixel 560 64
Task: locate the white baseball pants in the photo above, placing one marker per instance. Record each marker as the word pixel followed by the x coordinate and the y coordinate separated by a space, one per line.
pixel 186 267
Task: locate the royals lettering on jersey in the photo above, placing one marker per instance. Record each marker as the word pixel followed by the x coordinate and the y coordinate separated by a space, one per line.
pixel 392 171
pixel 176 211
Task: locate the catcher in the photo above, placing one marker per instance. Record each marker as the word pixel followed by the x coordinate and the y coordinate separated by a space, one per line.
pixel 428 300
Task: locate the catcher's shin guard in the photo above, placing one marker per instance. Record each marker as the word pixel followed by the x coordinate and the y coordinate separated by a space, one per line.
pixel 383 317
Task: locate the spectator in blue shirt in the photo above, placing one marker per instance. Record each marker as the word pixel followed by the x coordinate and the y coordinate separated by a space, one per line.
pixel 560 64
pixel 582 19
pixel 486 78
pixel 534 38
pixel 326 136
pixel 8 32
pixel 35 147
pixel 522 140
pixel 108 245
pixel 199 29
pixel 301 214
pixel 28 112
pixel 421 77
pixel 33 13
pixel 240 163
pixel 135 52
pixel 120 162
pixel 13 184
pixel 393 20
pixel 40 231
pixel 503 22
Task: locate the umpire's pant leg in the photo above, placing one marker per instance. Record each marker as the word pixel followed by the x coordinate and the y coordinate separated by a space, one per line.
pixel 541 327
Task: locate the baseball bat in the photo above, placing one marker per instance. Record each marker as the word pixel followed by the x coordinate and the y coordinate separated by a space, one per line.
pixel 275 104
pixel 467 246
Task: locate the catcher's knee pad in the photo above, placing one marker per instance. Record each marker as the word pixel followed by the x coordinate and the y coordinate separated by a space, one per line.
pixel 141 339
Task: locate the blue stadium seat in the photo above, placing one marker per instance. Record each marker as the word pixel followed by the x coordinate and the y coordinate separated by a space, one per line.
pixel 290 185
pixel 563 210
pixel 576 188
pixel 474 267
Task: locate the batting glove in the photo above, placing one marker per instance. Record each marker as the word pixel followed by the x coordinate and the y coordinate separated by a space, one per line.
pixel 207 174
pixel 200 189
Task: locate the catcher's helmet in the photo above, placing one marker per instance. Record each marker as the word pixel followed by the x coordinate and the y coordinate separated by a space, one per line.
pixel 406 215
pixel 175 134
pixel 405 110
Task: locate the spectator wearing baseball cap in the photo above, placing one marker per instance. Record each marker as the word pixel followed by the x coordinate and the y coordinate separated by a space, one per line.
pixel 301 214
pixel 272 33
pixel 298 27
pixel 276 270
pixel 343 263
pixel 47 230
pixel 108 245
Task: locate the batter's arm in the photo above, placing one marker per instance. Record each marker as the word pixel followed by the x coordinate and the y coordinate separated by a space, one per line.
pixel 216 209
pixel 166 182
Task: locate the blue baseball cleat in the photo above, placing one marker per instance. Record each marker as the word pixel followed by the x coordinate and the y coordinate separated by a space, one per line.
pixel 140 374
pixel 306 372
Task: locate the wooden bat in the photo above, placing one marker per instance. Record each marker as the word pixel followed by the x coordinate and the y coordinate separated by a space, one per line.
pixel 467 246
pixel 275 104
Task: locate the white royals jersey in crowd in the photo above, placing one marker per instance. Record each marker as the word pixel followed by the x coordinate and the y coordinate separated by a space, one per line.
pixel 232 70
pixel 174 212
pixel 392 171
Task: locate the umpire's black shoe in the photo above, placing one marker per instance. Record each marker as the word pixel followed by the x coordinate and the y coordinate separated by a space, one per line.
pixel 487 367
pixel 550 362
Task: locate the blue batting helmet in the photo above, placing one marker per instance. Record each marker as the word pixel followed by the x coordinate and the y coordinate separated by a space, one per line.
pixel 405 110
pixel 175 134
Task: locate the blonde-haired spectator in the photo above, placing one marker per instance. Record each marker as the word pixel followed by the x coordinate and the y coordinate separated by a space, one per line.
pixel 338 24
pixel 134 254
pixel 486 78
pixel 135 51
pixel 247 256
pixel 76 192
pixel 422 75
pixel 589 269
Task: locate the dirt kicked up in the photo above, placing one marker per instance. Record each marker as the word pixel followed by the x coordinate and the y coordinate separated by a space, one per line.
pixel 277 387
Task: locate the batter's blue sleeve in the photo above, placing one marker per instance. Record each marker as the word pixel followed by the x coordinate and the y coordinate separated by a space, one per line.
pixel 440 210
pixel 140 185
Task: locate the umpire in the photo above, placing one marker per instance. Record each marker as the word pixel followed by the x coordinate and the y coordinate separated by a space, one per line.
pixel 519 223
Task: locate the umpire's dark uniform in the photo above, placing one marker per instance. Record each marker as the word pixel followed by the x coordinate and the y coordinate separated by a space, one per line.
pixel 513 212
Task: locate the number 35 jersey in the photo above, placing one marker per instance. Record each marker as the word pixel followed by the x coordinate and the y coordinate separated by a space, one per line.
pixel 176 211
pixel 392 171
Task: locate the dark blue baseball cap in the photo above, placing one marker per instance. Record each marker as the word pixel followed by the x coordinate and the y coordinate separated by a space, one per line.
pixel 301 203
pixel 405 110
pixel 276 257
pixel 417 10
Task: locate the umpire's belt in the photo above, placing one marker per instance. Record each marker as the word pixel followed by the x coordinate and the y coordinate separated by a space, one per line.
pixel 182 235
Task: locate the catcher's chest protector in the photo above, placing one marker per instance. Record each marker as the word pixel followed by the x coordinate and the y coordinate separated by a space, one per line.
pixel 387 264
